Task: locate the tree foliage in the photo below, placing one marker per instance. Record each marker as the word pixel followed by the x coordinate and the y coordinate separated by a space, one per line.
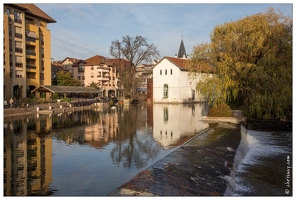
pixel 65 78
pixel 94 85
pixel 134 51
pixel 253 62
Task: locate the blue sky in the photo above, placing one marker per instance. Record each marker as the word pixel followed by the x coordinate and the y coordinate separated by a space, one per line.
pixel 83 30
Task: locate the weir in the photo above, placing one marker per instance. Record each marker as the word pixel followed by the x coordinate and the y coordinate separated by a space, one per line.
pixel 259 165
pixel 240 154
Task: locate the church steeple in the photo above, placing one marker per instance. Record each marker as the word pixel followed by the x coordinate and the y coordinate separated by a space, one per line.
pixel 182 51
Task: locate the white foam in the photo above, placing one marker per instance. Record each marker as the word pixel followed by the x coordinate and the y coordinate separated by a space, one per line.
pixel 253 146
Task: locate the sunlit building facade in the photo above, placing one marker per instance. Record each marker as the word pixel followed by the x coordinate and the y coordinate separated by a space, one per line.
pixel 26 49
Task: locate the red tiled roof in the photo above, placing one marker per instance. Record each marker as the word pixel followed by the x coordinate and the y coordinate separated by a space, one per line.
pixel 183 64
pixel 32 9
pixel 115 60
pixel 95 60
pixel 179 62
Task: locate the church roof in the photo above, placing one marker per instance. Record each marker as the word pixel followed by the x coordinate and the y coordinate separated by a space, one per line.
pixel 182 50
pixel 183 65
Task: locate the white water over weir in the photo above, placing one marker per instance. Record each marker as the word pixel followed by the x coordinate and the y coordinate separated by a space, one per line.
pixel 261 165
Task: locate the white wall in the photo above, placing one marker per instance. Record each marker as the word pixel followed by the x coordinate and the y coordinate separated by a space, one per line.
pixel 180 84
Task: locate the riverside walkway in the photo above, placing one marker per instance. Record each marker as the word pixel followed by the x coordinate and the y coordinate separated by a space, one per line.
pixel 49 108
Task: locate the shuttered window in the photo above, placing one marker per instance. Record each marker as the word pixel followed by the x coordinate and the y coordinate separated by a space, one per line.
pixel 18 29
pixel 19 59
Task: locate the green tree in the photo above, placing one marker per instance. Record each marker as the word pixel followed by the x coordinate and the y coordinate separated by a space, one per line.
pixel 65 78
pixel 134 51
pixel 94 85
pixel 252 58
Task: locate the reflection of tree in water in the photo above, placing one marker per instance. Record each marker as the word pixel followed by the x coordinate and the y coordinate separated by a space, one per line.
pixel 134 147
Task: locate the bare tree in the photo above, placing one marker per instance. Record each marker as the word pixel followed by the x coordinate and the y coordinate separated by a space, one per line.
pixel 130 52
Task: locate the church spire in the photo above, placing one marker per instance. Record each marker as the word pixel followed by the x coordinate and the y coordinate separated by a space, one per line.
pixel 182 51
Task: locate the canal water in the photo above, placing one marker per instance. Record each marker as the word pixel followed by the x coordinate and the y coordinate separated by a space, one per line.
pixel 92 152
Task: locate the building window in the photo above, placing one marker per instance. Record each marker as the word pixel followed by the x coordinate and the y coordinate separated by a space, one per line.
pixel 18 47
pixel 92 67
pixel 165 91
pixel 171 71
pixel 165 114
pixel 160 72
pixel 17 17
pixel 18 32
pixel 19 61
pixel 81 68
pixel 32 75
pixel 18 74
pixel 165 72
pixel 92 75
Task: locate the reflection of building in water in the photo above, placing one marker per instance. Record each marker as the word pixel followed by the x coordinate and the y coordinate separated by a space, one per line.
pixel 106 129
pixel 174 122
pixel 27 160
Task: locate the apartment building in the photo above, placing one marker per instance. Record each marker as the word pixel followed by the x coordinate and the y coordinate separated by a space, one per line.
pixel 67 65
pixel 102 71
pixel 26 49
pixel 143 73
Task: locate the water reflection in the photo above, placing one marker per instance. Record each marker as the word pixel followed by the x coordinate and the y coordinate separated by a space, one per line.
pixel 42 152
pixel 174 124
pixel 27 159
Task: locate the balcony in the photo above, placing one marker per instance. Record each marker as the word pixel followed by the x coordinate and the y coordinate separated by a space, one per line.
pixel 19 65
pixel 29 39
pixel 103 69
pixel 30 66
pixel 103 79
pixel 18 50
pixel 31 52
pixel 18 35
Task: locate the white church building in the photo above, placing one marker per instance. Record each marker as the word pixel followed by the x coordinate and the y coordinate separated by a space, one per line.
pixel 171 80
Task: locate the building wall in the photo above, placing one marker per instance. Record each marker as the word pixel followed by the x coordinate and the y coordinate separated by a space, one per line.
pixel 103 74
pixel 30 70
pixel 181 86
pixel 68 65
pixel 161 76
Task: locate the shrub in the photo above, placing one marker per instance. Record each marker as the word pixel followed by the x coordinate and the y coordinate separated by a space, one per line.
pixel 220 110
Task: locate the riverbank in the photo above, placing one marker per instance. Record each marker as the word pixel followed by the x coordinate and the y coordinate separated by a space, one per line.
pixel 196 168
pixel 44 109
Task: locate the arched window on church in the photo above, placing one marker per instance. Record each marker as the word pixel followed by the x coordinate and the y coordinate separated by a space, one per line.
pixel 165 91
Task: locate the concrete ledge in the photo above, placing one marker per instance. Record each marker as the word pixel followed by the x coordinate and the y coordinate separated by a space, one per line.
pixel 235 120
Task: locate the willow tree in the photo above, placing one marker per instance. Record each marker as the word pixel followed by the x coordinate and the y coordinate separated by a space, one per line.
pixel 253 62
pixel 134 51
